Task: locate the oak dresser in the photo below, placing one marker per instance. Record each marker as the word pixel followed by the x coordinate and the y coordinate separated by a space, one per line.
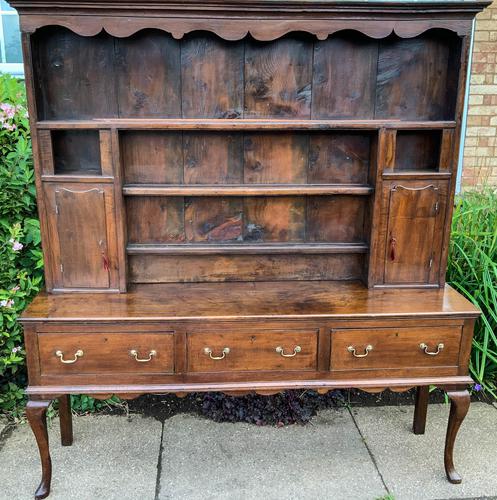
pixel 245 196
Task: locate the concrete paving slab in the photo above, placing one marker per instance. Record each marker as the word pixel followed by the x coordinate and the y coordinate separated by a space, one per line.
pixel 412 466
pixel 111 458
pixel 326 459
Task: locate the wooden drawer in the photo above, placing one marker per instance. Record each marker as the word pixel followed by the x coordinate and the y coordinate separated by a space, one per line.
pixel 247 351
pixel 394 347
pixel 106 353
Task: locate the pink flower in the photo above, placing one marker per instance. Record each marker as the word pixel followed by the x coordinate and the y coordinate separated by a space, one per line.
pixel 6 303
pixel 16 245
pixel 15 289
pixel 16 349
pixel 8 109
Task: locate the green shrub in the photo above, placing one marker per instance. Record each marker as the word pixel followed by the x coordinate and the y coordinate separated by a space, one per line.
pixel 473 271
pixel 21 271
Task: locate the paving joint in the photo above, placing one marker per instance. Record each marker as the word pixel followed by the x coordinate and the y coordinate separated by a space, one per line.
pixel 159 464
pixel 370 453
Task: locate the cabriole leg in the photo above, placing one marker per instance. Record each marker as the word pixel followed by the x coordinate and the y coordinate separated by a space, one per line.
pixel 458 409
pixel 65 417
pixel 420 410
pixel 36 412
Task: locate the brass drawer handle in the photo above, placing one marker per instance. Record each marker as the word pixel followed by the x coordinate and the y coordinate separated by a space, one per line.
pixel 368 349
pixel 134 353
pixel 78 354
pixel 281 351
pixel 208 352
pixel 424 348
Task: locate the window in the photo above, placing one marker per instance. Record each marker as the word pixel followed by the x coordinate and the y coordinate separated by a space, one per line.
pixel 10 41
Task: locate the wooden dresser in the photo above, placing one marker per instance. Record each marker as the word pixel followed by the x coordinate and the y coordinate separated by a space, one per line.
pixel 242 196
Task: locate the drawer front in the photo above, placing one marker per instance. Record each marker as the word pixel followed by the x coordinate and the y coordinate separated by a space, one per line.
pixel 372 348
pixel 74 353
pixel 247 351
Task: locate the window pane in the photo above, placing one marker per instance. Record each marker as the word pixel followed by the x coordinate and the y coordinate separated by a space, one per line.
pixel 12 38
pixel 5 6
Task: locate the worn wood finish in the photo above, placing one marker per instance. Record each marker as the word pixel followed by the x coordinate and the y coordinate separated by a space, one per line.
pixel 253 176
pixel 420 409
pixel 254 350
pixel 36 413
pixel 65 417
pixel 395 347
pixel 106 353
pixel 459 407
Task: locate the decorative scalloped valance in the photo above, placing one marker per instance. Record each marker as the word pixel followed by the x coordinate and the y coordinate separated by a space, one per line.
pixel 237 28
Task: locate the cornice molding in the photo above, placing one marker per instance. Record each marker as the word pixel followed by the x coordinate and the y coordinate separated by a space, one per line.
pixel 237 28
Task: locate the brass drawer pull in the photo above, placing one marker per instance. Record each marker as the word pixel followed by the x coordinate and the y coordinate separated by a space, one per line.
pixel 424 348
pixel 208 352
pixel 296 349
pixel 78 354
pixel 134 354
pixel 368 349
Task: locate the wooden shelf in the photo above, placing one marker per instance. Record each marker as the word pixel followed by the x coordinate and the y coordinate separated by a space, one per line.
pixel 97 179
pixel 245 190
pixel 416 175
pixel 242 124
pixel 248 248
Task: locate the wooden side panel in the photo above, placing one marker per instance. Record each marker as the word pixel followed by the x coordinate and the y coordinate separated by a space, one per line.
pixel 213 158
pixel 414 81
pixel 76 152
pixel 155 219
pixel 212 77
pixel 187 269
pixel 344 79
pixel 213 219
pixel 74 75
pixel 414 232
pixel 337 219
pixel 148 74
pixel 276 158
pixel 276 219
pixel 336 158
pixel 278 78
pixel 152 157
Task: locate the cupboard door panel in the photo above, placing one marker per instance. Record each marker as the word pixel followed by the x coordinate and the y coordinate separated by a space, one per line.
pixel 414 233
pixel 82 231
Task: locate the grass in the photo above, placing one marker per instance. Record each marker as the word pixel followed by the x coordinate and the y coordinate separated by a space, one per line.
pixel 472 270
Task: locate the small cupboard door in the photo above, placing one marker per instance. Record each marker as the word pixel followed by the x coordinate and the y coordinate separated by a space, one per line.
pixel 415 218
pixel 83 235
